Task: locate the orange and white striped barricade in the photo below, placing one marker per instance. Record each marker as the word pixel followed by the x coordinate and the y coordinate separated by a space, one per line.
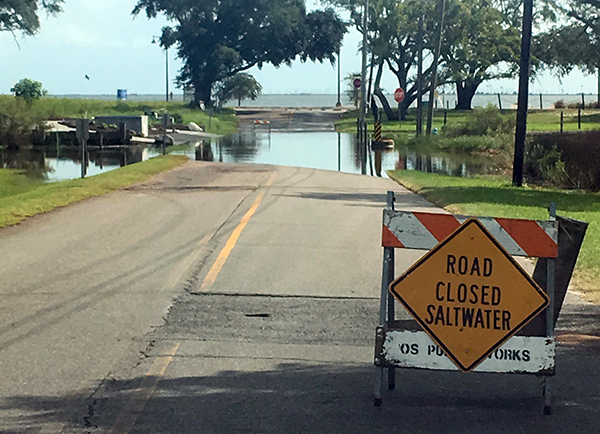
pixel 467 295
pixel 261 122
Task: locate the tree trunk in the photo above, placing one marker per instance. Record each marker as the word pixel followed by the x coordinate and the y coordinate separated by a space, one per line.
pixel 465 90
pixel 202 93
pixel 390 113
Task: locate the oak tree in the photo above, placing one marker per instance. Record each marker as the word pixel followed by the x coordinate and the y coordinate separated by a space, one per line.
pixel 23 15
pixel 217 39
pixel 479 44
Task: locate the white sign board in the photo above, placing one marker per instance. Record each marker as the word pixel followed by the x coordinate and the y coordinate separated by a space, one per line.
pixel 520 354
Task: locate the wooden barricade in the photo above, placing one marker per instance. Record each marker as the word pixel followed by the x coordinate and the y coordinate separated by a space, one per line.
pixel 468 326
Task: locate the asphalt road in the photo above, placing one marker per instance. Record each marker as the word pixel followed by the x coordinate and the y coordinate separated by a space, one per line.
pixel 238 298
pixel 83 286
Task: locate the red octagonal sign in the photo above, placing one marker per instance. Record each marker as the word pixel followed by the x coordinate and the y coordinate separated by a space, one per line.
pixel 399 95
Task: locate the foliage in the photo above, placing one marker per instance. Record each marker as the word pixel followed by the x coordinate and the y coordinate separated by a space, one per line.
pixel 477 42
pixel 218 39
pixel 29 90
pixel 584 12
pixel 239 87
pixel 463 144
pixel 392 34
pixel 555 48
pixel 17 123
pixel 569 160
pixel 22 15
pixel 537 120
pixel 545 165
pixel 560 104
pixel 574 41
pixel 483 121
pixel 352 92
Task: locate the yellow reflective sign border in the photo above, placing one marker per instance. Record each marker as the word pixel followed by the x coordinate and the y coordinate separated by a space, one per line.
pixel 501 250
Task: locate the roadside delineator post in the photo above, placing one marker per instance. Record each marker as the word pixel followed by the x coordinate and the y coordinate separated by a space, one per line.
pixel 468 297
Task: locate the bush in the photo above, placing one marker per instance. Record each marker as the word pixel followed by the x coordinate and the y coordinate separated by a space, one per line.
pixel 462 144
pixel 545 165
pixel 567 160
pixel 177 118
pixel 574 105
pixel 560 104
pixel 18 124
pixel 483 121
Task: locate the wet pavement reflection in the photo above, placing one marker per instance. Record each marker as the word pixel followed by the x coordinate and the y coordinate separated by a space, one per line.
pixel 326 150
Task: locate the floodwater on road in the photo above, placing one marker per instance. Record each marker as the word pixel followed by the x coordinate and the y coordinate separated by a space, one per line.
pixel 327 150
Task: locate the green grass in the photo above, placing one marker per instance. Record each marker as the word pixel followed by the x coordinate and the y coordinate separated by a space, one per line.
pixel 13 182
pixel 496 197
pixel 537 120
pixel 224 124
pixel 22 197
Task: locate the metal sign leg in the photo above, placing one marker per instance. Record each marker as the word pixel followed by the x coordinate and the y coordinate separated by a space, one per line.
pixel 382 319
pixel 386 309
pixel 549 332
pixel 550 289
pixel 378 385
pixel 391 317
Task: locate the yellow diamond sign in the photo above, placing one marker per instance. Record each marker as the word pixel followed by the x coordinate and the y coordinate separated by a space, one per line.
pixel 469 294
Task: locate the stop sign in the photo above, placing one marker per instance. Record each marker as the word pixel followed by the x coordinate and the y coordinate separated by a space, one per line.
pixel 399 95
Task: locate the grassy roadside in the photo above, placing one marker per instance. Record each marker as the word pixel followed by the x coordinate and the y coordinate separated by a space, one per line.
pixel 537 120
pixel 225 123
pixel 22 197
pixel 495 196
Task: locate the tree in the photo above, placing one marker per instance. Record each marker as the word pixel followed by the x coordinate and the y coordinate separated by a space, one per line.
pixel 352 92
pixel 29 90
pixel 240 86
pixel 479 45
pixel 217 39
pixel 555 48
pixel 574 41
pixel 22 15
pixel 392 42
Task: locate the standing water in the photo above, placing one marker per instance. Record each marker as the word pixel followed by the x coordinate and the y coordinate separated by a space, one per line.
pixel 328 151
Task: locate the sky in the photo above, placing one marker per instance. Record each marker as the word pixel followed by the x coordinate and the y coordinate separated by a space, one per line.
pixel 101 39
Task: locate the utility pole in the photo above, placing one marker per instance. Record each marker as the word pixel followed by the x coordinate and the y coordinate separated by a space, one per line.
pixel 363 90
pixel 436 58
pixel 339 79
pixel 167 74
pixel 523 99
pixel 420 77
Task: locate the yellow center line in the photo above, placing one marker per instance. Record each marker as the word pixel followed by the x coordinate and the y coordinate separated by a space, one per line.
pixel 134 407
pixel 211 277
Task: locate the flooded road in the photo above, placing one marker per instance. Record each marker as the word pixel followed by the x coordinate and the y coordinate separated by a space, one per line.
pixel 283 137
